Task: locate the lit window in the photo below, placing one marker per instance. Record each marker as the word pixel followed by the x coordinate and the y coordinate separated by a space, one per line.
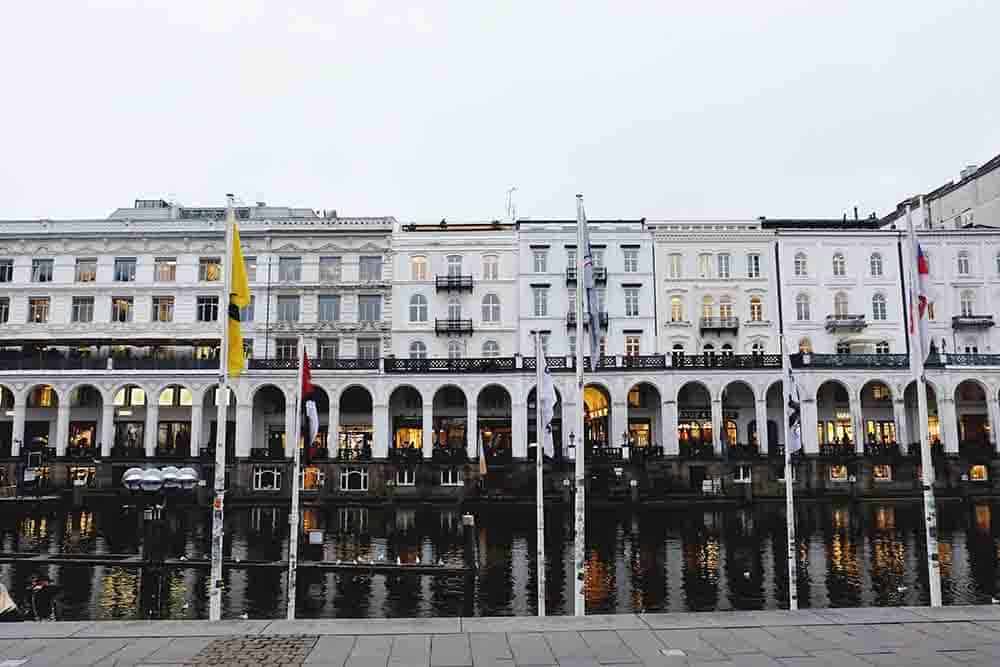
pixel 676 309
pixel 805 346
pixel 963 263
pixel 979 473
pixel 882 472
pixel 838 473
pixel 801 264
pixel 452 477
pixel 839 265
pixel 879 311
pixel 725 308
pixel 707 307
pixel 491 267
pixel 418 268
pixel 163 309
pixel 756 309
pixel 165 269
pixel 209 269
pixel 876 264
pixel 631 260
pixel 121 309
pixel 311 478
pixel 38 310
pixel 418 350
pixel 491 308
pixel 86 270
pixel 632 346
pixel 418 308
pixel 753 265
pixel 802 308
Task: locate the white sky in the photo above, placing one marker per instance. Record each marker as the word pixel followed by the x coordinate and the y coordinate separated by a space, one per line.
pixel 663 110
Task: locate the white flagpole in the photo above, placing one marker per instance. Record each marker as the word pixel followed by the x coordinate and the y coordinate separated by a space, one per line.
pixel 539 458
pixel 791 552
pixel 293 517
pixel 917 356
pixel 222 418
pixel 579 535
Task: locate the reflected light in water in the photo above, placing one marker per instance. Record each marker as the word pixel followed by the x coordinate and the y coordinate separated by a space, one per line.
pixel 984 518
pixel 945 558
pixel 34 527
pixel 597 580
pixel 885 518
pixel 119 597
pixel 840 518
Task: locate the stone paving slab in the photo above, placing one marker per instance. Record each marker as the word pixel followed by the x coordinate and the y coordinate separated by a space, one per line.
pixel 361 626
pixel 553 623
pixel 166 628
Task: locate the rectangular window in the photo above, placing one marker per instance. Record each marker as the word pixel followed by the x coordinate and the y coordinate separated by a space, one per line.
pixel 704 266
pixel 165 269
pixel 602 300
pixel 286 348
pixel 370 269
pixel 329 269
pixel 753 265
pixel 571 258
pixel 545 345
pixel 41 270
pixel 491 267
pixel 121 309
pixel 4 310
pixel 289 269
pixel 452 477
pixel 369 308
pixel 311 478
pixel 248 348
pixel 208 309
pixel 368 348
pixel 454 263
pixel 743 474
pixel 247 311
pixel 267 478
pixel 674 265
pixel 723 260
pixel 572 345
pixel 288 309
pixel 328 348
pixel 632 346
pixel 38 310
pixel 631 257
pixel 163 309
pixel 598 256
pixel 838 473
pixel 250 266
pixel 541 260
pixel 83 309
pixel 406 477
pixel 210 269
pixel 124 269
pixel 6 270
pixel 86 270
pixel 631 302
pixel 329 308
pixel 541 301
pixel 676 309
pixel 354 478
pixel 882 473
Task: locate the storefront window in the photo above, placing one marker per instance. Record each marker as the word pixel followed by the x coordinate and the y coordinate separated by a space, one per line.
pixel 311 478
pixel 838 473
pixel 83 476
pixel 266 478
pixel 82 434
pixel 882 473
pixel 978 473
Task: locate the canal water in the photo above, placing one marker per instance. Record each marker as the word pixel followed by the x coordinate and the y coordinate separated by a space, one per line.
pixel 650 559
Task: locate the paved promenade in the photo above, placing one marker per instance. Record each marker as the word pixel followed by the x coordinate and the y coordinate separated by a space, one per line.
pixel 911 636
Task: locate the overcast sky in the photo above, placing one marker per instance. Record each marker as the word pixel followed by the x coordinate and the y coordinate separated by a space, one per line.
pixel 663 110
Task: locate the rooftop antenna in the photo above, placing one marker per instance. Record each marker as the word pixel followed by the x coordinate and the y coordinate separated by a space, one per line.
pixel 511 208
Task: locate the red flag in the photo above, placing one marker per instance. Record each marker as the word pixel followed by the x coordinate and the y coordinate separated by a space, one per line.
pixel 309 403
pixel 307 385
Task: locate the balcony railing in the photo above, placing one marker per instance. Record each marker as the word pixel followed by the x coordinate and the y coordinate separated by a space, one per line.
pixel 103 363
pixel 453 327
pixel 323 364
pixel 837 451
pixel 964 360
pixel 644 361
pixel 601 317
pixel 152 364
pixel 553 363
pixel 741 452
pixel 719 323
pixel 406 454
pixel 600 275
pixel 453 283
pixel 972 322
pixel 883 450
pixel 845 322
pixel 697 450
pixel 463 365
pixel 810 360
pixel 450 455
pixel 726 361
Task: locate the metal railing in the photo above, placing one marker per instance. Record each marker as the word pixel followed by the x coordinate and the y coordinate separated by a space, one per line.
pixel 852 322
pixel 600 274
pixel 726 361
pixel 971 321
pixel 719 323
pixel 964 360
pixel 461 365
pixel 453 283
pixel 602 319
pixel 453 326
pixel 810 360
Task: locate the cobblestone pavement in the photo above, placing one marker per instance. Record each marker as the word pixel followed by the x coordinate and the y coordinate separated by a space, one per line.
pixel 813 638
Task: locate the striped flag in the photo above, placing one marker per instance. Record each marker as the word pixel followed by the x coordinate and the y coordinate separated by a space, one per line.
pixel 239 297
pixel 920 300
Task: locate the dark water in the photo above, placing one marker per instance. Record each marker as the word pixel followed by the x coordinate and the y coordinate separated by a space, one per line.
pixel 649 559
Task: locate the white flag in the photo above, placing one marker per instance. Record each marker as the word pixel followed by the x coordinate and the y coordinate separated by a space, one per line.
pixel 547 404
pixel 794 414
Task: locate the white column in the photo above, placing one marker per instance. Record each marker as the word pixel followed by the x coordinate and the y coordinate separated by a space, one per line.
pixel 948 423
pixel 472 428
pixel 152 425
pixel 717 426
pixel 619 422
pixel 809 418
pixel 902 428
pixel 291 437
pixel 17 433
pixel 994 412
pixel 427 424
pixel 519 430
pixel 244 430
pixel 763 444
pixel 671 447
pixel 380 415
pixel 62 428
pixel 107 428
pixel 859 425
pixel 333 430
pixel 196 411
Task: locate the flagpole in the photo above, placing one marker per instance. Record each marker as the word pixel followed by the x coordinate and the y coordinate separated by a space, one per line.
pixel 539 457
pixel 579 533
pixel 917 356
pixel 293 517
pixel 222 419
pixel 791 555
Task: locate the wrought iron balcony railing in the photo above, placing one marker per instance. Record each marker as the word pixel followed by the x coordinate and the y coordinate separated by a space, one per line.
pixel 322 364
pixel 964 360
pixel 453 283
pixel 601 317
pixel 972 322
pixel 845 322
pixel 453 327
pixel 600 275
pixel 726 361
pixel 463 365
pixel 104 363
pixel 719 323
pixel 810 360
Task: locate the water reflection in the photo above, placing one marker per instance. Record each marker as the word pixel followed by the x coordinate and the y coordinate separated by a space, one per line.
pixel 642 560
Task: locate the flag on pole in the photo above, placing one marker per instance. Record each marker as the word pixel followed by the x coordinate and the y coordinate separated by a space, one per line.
pixel 547 404
pixel 239 297
pixel 591 292
pixel 482 458
pixel 794 414
pixel 310 425
pixel 920 298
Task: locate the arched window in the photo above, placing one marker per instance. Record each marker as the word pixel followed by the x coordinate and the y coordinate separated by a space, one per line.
pixel 876 264
pixel 805 346
pixel 678 348
pixel 491 308
pixel 841 305
pixel 727 350
pixel 964 268
pixel 843 348
pixel 418 350
pixel 676 309
pixel 757 348
pixel 491 267
pixel 455 350
pixel 882 347
pixel 802 307
pixel 491 349
pixel 418 268
pixel 756 309
pixel 878 307
pixel 708 349
pixel 707 306
pixel 418 308
pixel 725 307
pixel 968 303
pixel 839 264
pixel 801 264
pixel 454 308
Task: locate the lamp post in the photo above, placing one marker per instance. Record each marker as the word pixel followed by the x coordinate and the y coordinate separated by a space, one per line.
pixel 572 446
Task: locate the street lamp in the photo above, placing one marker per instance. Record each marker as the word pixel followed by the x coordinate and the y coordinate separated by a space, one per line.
pixel 572 445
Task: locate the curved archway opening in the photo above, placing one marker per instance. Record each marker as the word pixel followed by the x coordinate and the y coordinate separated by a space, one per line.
pixel 878 419
pixel 356 435
pixel 406 414
pixel 40 417
pixel 834 422
pixel 774 400
pixel 493 432
pixel 6 421
pixel 203 442
pixel 555 427
pixel 129 403
pixel 173 426
pixel 913 419
pixel 694 421
pixel 973 417
pixel 268 438
pixel 645 421
pixel 86 405
pixel 451 415
pixel 596 418
pixel 738 411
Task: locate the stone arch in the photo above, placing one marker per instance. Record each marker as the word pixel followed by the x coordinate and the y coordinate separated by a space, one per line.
pixel 873 381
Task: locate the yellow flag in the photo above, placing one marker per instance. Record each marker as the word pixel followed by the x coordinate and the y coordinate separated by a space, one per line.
pixel 239 297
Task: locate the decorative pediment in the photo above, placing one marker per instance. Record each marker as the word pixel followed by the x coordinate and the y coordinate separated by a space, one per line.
pixel 288 247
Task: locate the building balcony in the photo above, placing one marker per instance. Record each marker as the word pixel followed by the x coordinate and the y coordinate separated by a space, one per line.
pixel 972 322
pixel 406 454
pixel 719 323
pixel 453 283
pixel 571 319
pixel 840 450
pixel 810 360
pixel 644 361
pixel 697 450
pixel 103 363
pixel 725 361
pixel 462 365
pixel 884 450
pixel 453 327
pixel 845 322
pixel 323 364
pixel 964 360
pixel 600 275
pixel 741 452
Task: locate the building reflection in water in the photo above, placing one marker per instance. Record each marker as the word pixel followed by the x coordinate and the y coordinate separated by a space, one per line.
pixel 119 597
pixel 984 518
pixel 844 568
